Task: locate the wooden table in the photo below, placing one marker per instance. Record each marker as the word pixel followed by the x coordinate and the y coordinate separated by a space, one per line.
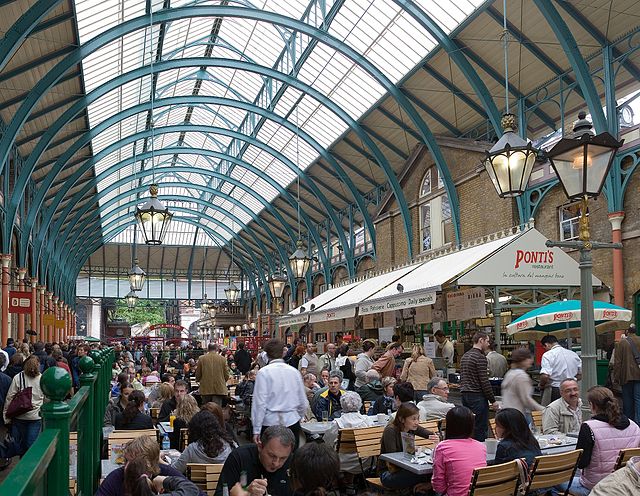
pixel 401 460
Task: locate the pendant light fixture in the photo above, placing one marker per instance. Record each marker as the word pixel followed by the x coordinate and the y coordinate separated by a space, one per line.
pixel 131 299
pixel 136 275
pixel 299 261
pixel 231 291
pixel 153 217
pixel 510 161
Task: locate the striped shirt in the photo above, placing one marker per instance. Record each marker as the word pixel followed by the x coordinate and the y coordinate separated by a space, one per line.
pixel 474 375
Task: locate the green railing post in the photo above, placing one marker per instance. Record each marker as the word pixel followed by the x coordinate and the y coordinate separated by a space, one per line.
pixel 87 471
pixel 98 404
pixel 55 384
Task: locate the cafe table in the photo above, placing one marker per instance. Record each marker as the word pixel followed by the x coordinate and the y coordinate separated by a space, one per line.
pixel 321 428
pixel 403 460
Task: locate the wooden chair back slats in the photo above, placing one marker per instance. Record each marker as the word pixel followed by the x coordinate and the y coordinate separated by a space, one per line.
pixel 496 480
pixel 205 475
pixel 551 470
pixel 367 441
pixel 624 456
pixel 346 441
pixel 537 419
pixel 492 427
pixel 123 437
pixel 154 412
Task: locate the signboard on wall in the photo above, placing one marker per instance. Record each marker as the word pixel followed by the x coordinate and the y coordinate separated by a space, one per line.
pixel 526 261
pixel 20 302
pixel 466 304
pixel 49 319
pixel 385 334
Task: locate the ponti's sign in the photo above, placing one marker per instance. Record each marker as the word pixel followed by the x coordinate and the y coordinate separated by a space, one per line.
pixel 525 261
pixel 533 257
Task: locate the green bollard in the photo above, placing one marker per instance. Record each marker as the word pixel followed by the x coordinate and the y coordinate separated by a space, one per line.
pixel 98 404
pixel 88 473
pixel 55 383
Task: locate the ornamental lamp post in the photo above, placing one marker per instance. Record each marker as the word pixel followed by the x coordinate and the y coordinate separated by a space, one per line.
pixel 582 163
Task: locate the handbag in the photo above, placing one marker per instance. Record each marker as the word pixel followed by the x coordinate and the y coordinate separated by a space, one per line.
pixel 523 482
pixel 21 403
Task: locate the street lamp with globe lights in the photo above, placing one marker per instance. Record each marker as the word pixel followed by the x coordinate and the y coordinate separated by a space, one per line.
pixel 582 163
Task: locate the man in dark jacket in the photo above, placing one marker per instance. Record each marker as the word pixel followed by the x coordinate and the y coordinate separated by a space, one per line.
pixel 46 360
pixel 329 401
pixel 242 358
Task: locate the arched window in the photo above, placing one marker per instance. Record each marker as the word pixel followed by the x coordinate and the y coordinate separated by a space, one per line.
pixel 436 229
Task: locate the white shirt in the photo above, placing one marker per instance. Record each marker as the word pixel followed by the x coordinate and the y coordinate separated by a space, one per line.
pixel 447 351
pixel 559 364
pixel 279 397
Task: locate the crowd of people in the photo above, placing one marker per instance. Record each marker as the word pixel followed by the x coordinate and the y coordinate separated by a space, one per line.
pixel 282 386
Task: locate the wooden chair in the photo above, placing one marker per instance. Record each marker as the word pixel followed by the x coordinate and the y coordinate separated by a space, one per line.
pixel 492 427
pixel 73 487
pixel 367 444
pixel 624 456
pixel 551 470
pixel 537 419
pixel 346 441
pixel 496 480
pixel 184 439
pixel 205 475
pixel 123 437
pixel 430 425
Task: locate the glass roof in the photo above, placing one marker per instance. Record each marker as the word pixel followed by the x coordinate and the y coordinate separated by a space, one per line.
pixel 377 29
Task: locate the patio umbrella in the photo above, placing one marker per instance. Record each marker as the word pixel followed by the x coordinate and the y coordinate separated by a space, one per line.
pixel 563 315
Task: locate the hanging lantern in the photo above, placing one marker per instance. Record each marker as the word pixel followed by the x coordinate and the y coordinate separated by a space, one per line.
pixel 136 277
pixel 153 218
pixel 131 299
pixel 276 285
pixel 299 261
pixel 510 161
pixel 232 293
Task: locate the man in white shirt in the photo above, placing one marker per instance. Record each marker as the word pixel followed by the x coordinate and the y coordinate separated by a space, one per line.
pixel 444 347
pixel 279 396
pixel 558 364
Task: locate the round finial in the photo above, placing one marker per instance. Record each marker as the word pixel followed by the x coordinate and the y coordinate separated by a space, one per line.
pixel 582 126
pixel 508 123
pixel 153 190
pixel 87 365
pixel 55 383
pixel 95 354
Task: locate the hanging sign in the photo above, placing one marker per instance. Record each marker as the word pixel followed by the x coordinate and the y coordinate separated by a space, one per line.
pixel 20 302
pixel 49 319
pixel 60 324
pixel 466 304
pixel 337 314
pixel 416 299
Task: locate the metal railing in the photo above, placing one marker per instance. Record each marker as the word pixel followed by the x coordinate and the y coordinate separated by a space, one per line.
pixel 44 469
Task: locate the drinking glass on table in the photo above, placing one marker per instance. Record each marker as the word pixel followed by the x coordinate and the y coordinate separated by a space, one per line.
pixel 325 416
pixel 171 419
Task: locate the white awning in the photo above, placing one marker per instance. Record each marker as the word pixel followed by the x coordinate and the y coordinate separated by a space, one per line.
pixel 419 286
pixel 345 306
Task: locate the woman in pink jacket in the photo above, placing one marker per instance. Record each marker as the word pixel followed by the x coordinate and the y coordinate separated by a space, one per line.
pixel 455 458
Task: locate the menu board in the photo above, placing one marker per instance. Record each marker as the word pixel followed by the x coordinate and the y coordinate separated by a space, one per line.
pixel 466 304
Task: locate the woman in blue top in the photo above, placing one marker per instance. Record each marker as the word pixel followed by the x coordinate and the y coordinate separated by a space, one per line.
pixel 516 439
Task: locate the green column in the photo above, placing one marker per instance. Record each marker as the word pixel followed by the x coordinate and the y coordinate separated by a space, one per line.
pixel 55 384
pixel 89 427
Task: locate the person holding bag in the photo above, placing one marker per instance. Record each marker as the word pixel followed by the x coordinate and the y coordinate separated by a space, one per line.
pixel 24 416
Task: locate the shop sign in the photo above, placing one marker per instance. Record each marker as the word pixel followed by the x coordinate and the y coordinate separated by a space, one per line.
pixel 20 302
pixel 526 261
pixel 293 320
pixel 466 304
pixel 335 314
pixel 398 303
pixel 60 324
